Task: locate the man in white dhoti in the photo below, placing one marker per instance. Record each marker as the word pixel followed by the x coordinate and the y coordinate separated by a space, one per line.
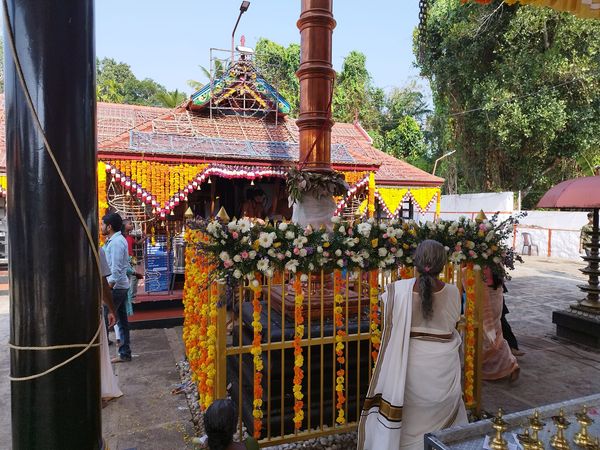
pixel 416 384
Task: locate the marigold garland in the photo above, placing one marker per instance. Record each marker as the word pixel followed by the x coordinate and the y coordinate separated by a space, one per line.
pixel 406 272
pixel 375 319
pixel 340 335
pixel 161 180
pixel 257 358
pixel 298 357
pixel 211 346
pixel 469 384
pixel 354 177
pixel 198 336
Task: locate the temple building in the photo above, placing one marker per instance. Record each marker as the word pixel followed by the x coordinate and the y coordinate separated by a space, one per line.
pixel 230 139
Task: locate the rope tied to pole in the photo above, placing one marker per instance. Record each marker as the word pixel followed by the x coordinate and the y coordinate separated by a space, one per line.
pixel 90 240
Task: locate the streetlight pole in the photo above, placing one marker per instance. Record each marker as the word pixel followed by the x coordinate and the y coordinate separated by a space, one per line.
pixel 243 8
pixel 439 159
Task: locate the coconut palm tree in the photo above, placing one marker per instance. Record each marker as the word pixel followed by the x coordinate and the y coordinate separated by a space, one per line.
pixel 219 71
pixel 171 99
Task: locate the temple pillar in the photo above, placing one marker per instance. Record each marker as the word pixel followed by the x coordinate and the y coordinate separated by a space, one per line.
pixel 316 77
pixel 53 277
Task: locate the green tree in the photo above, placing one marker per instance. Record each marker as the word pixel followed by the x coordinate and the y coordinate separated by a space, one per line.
pixel 516 92
pixel 278 65
pixel 109 91
pixel 402 102
pixel 171 99
pixel 355 97
pixel 116 83
pixel 219 70
pixel 406 142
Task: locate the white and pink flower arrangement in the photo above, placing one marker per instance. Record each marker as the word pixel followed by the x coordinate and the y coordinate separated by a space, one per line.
pixel 242 248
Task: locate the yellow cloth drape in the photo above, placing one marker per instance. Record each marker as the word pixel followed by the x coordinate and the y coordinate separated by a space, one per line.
pixel 363 206
pixel 589 9
pixel 371 205
pixel 3 182
pixel 392 197
pixel 423 197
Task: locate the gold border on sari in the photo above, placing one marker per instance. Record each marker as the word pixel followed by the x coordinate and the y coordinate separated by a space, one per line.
pixel 387 330
pixel 386 409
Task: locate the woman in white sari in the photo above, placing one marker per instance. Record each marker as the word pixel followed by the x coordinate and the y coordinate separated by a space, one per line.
pixel 416 384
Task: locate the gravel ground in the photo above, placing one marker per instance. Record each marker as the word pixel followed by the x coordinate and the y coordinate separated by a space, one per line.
pixel 334 442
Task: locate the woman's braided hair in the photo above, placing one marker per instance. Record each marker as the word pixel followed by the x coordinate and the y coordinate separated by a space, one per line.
pixel 430 259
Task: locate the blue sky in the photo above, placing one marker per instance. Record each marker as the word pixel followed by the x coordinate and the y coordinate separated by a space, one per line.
pixel 167 41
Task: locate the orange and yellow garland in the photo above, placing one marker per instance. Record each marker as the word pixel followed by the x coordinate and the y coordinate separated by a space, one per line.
pixel 354 177
pixel 406 272
pixel 298 357
pixel 211 346
pixel 469 384
pixel 374 313
pixel 199 328
pixel 340 335
pixel 257 358
pixel 162 180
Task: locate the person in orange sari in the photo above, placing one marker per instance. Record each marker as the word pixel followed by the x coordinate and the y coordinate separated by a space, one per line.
pixel 498 360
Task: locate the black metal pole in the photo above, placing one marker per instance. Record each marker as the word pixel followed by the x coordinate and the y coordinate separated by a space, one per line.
pixel 53 279
pixel 233 36
pixel 592 270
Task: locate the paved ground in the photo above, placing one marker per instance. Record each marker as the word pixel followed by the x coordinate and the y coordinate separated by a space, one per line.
pixel 149 417
pixel 552 370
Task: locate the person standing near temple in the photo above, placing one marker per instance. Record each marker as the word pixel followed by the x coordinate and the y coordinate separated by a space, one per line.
pixel 585 238
pixel 499 359
pixel 254 206
pixel 109 386
pixel 132 241
pixel 118 261
pixel 416 384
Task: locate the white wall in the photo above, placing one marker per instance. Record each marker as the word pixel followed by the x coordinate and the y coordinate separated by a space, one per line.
pixel 469 205
pixel 560 229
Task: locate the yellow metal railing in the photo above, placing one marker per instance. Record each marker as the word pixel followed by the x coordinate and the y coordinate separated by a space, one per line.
pixel 240 345
pixel 318 347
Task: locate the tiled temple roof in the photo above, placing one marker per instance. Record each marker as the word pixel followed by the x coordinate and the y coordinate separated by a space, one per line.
pixel 126 129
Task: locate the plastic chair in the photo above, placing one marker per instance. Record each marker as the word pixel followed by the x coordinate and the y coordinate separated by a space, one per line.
pixel 527 242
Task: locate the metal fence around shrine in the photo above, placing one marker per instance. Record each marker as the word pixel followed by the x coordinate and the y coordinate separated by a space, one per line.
pixel 236 339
